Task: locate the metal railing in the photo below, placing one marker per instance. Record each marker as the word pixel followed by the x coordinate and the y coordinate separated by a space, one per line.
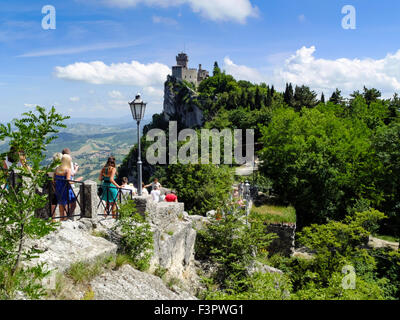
pixel 65 200
pixel 111 199
pixel 9 180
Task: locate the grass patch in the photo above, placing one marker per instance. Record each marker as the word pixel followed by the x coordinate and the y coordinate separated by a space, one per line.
pixel 89 295
pixel 79 275
pixel 82 272
pixel 160 272
pixel 100 234
pixel 386 238
pixel 121 260
pixel 173 282
pixel 275 214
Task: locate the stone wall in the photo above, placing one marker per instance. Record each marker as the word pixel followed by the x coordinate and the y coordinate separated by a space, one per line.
pixel 285 243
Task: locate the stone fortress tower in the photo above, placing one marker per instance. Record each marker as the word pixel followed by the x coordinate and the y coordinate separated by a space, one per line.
pixel 182 72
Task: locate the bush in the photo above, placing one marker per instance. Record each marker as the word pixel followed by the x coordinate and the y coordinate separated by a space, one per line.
pixel 318 162
pixel 201 187
pixel 232 245
pixel 137 238
pixel 268 286
pixel 27 281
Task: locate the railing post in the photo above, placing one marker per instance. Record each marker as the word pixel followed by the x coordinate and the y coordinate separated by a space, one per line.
pixel 89 199
pixel 83 199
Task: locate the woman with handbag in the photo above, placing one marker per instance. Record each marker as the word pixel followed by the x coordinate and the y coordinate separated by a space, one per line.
pixel 110 188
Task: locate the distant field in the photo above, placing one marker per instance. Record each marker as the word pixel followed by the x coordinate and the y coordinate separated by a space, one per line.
pixel 275 214
pixel 91 145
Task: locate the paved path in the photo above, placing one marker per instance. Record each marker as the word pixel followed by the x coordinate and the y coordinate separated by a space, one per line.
pixel 247 169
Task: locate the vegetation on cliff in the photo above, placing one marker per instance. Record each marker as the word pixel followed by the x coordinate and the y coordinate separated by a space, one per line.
pixel 336 161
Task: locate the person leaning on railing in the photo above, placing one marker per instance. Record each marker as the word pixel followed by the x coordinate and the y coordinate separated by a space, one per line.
pixel 51 189
pixel 127 190
pixel 65 195
pixel 110 186
pixel 15 159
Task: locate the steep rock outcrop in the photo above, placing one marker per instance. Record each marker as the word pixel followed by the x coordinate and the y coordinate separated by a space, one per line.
pixel 72 242
pixel 127 283
pixel 179 104
pixel 174 236
pixel 174 240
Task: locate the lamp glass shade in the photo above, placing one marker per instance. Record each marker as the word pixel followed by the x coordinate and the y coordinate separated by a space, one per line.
pixel 247 188
pixel 138 108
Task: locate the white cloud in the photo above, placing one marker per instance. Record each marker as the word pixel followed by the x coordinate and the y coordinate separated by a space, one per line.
pixel 30 105
pixel 216 10
pixel 80 49
pixel 164 20
pixel 115 94
pixel 153 92
pixel 343 73
pixel 74 99
pixel 325 74
pixel 302 18
pixel 242 72
pixel 97 72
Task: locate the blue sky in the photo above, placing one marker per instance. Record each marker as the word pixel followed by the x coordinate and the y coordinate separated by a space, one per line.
pixel 104 51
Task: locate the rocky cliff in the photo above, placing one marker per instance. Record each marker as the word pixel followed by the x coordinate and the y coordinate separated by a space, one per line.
pixel 174 239
pixel 180 104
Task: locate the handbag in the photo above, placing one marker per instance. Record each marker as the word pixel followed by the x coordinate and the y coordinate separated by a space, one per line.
pixel 100 190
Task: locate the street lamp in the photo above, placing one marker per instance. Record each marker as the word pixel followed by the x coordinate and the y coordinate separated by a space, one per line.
pixel 138 108
pixel 247 190
pixel 247 197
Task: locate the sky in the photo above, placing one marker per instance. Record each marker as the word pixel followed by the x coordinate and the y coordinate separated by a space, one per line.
pixel 100 53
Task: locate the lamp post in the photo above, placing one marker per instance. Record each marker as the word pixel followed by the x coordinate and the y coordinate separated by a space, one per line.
pixel 247 197
pixel 138 108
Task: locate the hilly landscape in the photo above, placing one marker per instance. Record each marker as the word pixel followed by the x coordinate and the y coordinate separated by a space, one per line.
pixel 92 143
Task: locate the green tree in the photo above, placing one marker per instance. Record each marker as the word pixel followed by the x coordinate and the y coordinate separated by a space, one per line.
pixel 289 95
pixel 29 135
pixel 371 95
pixel 232 245
pixel 202 187
pixel 387 174
pixel 217 70
pixel 316 161
pixel 322 100
pixel 336 245
pixel 336 97
pixel 304 97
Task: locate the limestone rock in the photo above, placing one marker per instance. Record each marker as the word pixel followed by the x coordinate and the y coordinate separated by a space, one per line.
pixel 257 266
pixel 71 243
pixel 130 284
pixel 188 113
pixel 379 243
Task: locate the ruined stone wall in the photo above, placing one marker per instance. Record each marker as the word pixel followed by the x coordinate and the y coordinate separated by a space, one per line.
pixel 285 243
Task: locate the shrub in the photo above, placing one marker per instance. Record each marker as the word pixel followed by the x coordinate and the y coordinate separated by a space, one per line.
pixel 232 245
pixel 268 286
pixel 137 238
pixel 201 187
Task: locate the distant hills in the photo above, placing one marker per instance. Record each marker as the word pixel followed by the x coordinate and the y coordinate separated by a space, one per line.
pixel 92 141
